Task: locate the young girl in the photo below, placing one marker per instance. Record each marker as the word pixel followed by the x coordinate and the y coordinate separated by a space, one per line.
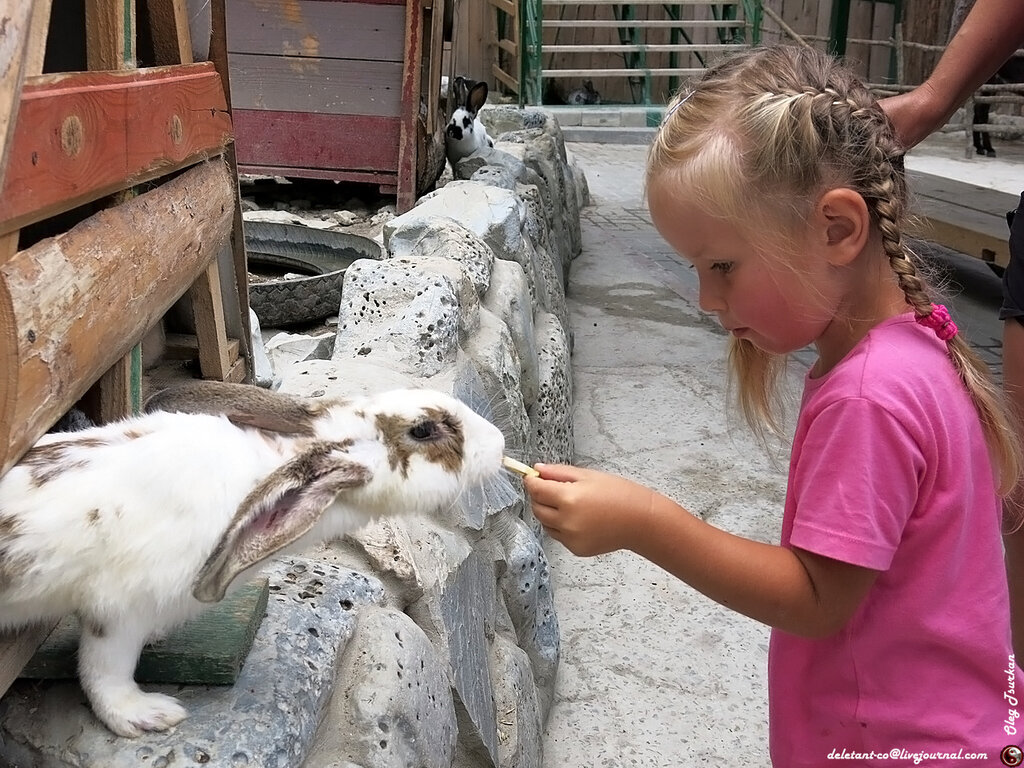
pixel 779 178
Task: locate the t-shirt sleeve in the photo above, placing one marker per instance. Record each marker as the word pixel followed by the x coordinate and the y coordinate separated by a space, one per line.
pixel 855 484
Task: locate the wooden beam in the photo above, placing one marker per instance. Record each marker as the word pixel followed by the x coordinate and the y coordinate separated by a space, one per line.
pixel 110 34
pixel 208 314
pixel 412 73
pixel 85 135
pixel 15 650
pixel 15 22
pixel 72 305
pixel 37 41
pixel 168 25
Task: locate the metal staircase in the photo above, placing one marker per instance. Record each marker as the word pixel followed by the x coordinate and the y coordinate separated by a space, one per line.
pixel 653 43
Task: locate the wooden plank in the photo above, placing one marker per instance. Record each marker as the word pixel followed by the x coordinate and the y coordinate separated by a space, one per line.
pixel 209 650
pixel 208 314
pixel 15 650
pixel 411 81
pixel 320 30
pixel 86 135
pixel 322 86
pixel 219 58
pixel 37 40
pixel 168 26
pixel 72 305
pixel 304 140
pixel 964 217
pixel 185 346
pixel 641 24
pixel 16 16
pixel 626 48
pixel 110 34
pixel 113 396
pixel 598 73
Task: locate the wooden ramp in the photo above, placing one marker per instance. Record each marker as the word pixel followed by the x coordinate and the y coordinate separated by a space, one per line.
pixel 962 216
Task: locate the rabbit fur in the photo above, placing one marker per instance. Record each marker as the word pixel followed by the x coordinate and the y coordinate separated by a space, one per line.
pixel 135 525
pixel 465 134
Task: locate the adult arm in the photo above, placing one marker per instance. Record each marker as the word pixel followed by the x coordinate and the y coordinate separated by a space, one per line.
pixel 990 34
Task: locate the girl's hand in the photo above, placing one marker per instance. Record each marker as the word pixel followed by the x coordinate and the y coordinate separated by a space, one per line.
pixel 587 511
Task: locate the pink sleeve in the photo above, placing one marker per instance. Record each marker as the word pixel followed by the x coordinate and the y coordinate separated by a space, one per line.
pixel 855 484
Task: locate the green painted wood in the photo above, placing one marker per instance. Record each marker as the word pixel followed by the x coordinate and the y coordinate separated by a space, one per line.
pixel 210 650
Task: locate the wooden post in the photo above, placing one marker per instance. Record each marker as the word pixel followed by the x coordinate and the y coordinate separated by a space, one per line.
pixel 411 76
pixel 16 16
pixel 56 296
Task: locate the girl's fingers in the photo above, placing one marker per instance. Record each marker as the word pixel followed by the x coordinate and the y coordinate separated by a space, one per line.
pixel 563 473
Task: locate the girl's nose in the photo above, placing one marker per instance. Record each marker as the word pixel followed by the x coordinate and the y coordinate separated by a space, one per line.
pixel 708 299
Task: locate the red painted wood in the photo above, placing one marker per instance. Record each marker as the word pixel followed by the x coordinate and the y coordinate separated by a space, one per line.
pixel 308 140
pixel 84 135
pixel 411 76
pixel 386 181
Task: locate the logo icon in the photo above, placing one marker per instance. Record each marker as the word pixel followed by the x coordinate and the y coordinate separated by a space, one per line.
pixel 1012 755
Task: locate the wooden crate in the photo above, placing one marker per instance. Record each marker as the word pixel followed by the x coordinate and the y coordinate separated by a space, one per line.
pixel 337 89
pixel 118 196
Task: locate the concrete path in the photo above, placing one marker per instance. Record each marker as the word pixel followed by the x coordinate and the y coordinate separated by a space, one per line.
pixel 652 673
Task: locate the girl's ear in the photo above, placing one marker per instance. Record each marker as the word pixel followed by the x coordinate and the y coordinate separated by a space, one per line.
pixel 844 223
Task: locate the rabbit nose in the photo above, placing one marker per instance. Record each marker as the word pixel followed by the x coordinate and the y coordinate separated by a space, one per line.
pixel 454 132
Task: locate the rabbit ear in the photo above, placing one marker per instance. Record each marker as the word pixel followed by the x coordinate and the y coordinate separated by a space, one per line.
pixel 477 96
pixel 277 512
pixel 243 404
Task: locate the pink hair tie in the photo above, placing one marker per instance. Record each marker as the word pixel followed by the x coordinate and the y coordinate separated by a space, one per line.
pixel 939 321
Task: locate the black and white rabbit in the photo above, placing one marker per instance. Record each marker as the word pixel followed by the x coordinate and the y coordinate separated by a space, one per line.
pixel 465 134
pixel 134 525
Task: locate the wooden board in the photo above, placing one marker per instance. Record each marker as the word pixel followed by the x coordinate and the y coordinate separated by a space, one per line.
pixel 210 650
pixel 316 29
pixel 14 36
pixel 323 86
pixel 306 140
pixel 85 135
pixel 72 305
pixel 961 216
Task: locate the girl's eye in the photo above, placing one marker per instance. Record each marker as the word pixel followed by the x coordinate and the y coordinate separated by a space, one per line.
pixel 722 266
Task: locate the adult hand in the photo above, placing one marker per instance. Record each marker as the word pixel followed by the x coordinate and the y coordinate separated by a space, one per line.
pixel 915 114
pixel 589 512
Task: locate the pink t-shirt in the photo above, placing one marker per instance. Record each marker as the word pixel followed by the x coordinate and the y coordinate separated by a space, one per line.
pixel 890 471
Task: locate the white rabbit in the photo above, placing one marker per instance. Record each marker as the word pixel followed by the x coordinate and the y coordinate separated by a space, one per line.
pixel 133 526
pixel 465 134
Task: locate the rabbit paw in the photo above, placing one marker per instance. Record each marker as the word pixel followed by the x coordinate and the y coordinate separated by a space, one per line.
pixel 133 712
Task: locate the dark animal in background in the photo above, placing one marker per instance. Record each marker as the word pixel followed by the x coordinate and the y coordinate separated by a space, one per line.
pixel 465 134
pixel 585 95
pixel 1011 72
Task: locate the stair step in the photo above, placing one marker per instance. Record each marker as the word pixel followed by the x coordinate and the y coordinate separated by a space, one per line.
pixel 637 72
pixel 637 48
pixel 643 23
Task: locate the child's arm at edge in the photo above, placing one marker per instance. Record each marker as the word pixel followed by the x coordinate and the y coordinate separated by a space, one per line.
pixel 790 589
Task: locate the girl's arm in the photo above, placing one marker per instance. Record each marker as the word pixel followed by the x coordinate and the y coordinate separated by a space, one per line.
pixel 989 35
pixel 790 589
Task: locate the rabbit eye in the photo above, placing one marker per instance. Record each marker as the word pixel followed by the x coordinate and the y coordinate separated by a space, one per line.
pixel 425 430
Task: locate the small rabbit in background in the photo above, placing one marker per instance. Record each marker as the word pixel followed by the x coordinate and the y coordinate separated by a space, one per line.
pixel 585 95
pixel 465 134
pixel 134 526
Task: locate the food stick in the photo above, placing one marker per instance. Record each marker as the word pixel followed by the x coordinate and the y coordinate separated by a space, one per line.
pixel 519 468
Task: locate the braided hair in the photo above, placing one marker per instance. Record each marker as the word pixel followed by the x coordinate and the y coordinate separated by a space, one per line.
pixel 756 141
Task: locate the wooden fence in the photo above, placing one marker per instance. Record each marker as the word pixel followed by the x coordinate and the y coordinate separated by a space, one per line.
pixel 871 32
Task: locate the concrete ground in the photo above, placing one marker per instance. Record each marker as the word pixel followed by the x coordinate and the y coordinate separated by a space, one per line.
pixel 652 673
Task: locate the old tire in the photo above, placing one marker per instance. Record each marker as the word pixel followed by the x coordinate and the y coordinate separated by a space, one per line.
pixel 322 256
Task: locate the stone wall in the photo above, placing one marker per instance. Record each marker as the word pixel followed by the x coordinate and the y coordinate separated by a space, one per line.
pixel 426 643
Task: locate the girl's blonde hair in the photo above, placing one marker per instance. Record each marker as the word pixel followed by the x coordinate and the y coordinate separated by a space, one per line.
pixel 756 141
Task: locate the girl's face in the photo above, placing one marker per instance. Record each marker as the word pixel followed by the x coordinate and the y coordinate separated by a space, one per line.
pixel 780 307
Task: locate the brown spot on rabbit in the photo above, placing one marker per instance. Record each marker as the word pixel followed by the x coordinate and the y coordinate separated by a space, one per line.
pixel 12 567
pixel 93 517
pixel 437 435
